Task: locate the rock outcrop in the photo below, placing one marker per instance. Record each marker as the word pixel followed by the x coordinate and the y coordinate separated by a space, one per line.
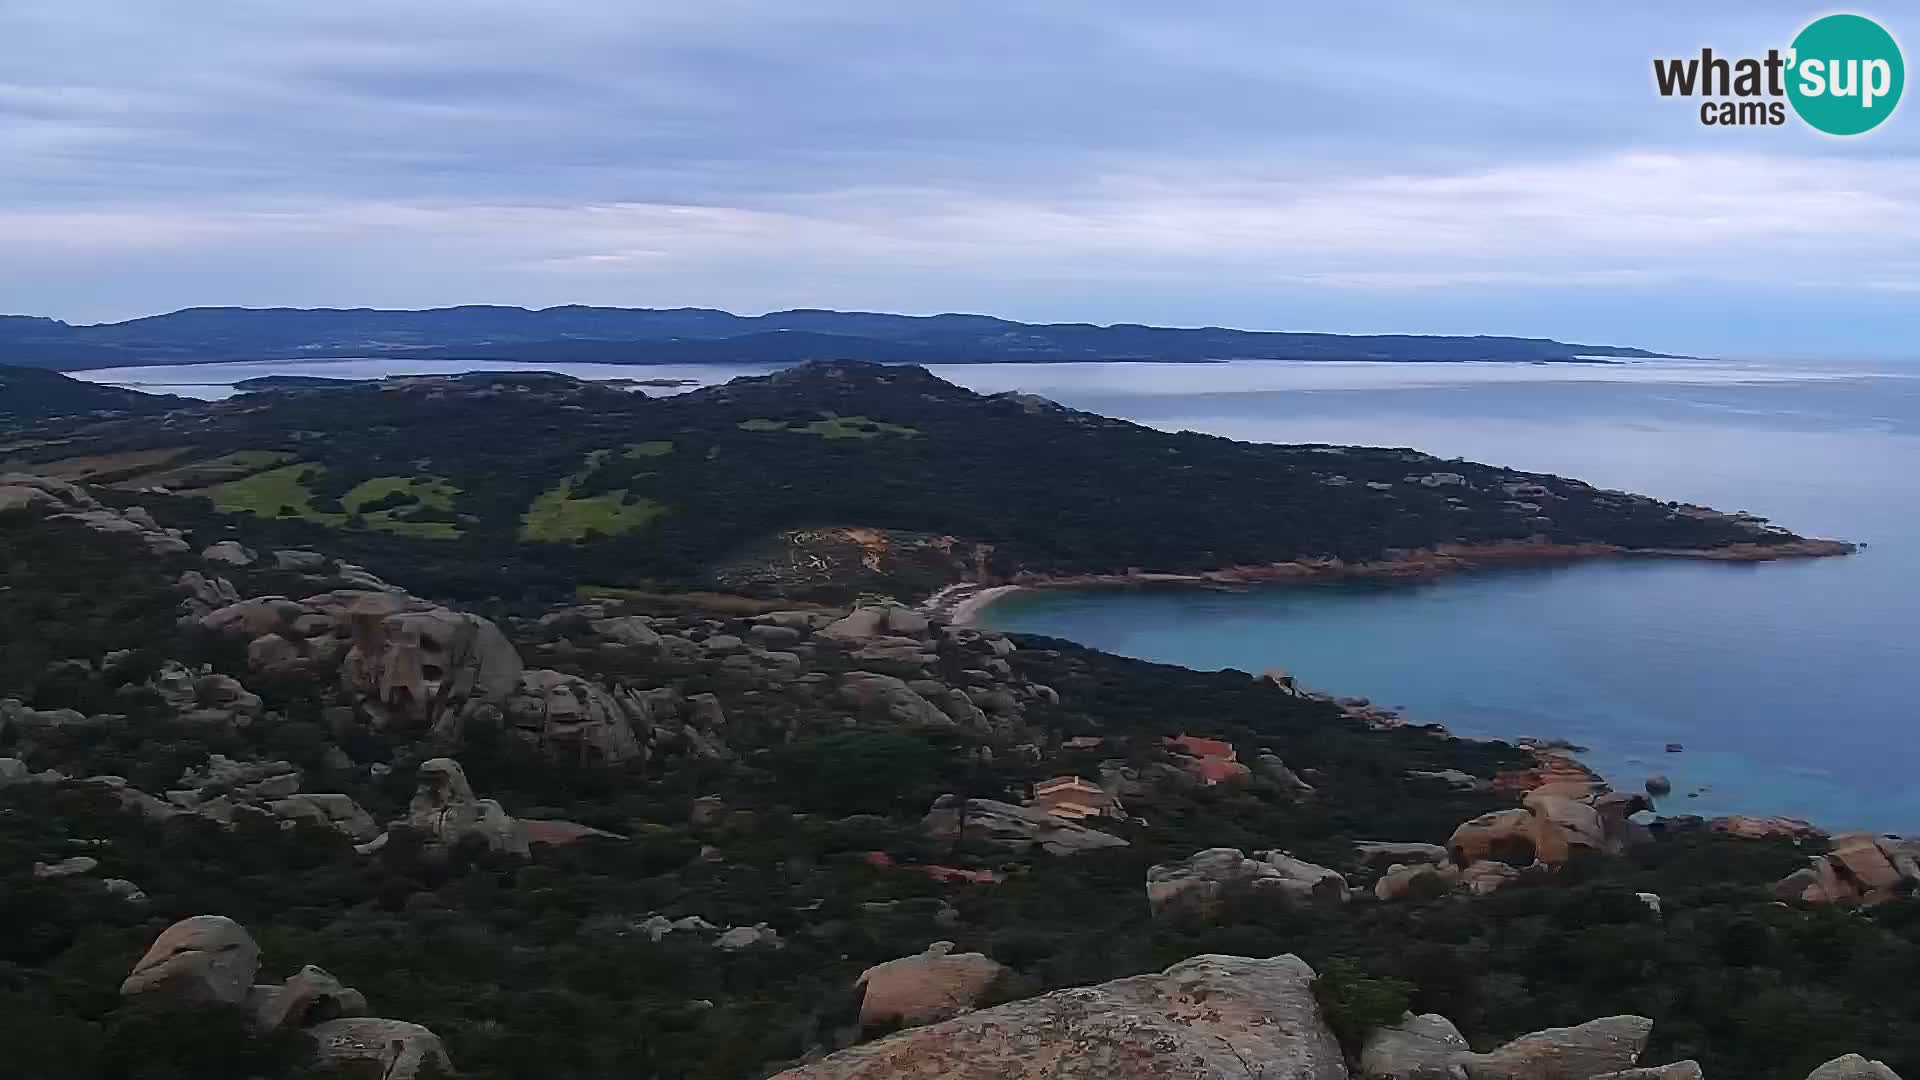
pixel 398 1049
pixel 1679 1070
pixel 308 996
pixel 446 809
pixel 932 986
pixel 1203 1018
pixel 70 502
pixel 212 960
pixel 1858 868
pixel 955 822
pixel 891 699
pixel 412 665
pixel 1425 1047
pixel 204 960
pixel 1548 826
pixel 1598 1047
pixel 1195 884
pixel 573 719
pixel 1853 1067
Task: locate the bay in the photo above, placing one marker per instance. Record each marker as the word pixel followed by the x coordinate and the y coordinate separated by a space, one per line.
pixel 1791 686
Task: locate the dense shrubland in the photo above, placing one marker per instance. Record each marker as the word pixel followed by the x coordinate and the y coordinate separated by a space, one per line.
pixel 535 967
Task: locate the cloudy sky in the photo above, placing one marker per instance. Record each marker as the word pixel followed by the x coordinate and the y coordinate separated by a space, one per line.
pixel 1351 167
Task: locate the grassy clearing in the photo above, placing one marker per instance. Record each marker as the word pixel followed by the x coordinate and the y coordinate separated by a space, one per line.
pixel 280 492
pixel 284 492
pixel 832 426
pixel 557 517
pixel 427 491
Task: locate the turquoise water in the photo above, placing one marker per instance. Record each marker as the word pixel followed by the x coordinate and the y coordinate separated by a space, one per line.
pixel 1794 687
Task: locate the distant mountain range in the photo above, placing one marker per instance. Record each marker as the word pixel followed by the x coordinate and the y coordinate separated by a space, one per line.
pixel 705 335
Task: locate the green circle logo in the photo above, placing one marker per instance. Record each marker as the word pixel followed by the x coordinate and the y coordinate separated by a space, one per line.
pixel 1845 74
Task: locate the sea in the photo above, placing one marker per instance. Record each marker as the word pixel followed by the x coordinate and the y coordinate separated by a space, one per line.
pixel 1789 688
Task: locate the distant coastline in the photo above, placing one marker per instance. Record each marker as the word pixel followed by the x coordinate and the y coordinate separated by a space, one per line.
pixel 962 604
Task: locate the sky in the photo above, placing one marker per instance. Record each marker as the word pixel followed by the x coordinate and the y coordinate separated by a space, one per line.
pixel 1500 168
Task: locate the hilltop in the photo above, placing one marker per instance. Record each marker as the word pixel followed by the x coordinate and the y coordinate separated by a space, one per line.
pixel 827 481
pixel 685 335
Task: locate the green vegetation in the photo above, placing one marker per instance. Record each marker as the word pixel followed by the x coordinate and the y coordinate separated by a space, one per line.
pixel 279 492
pixel 419 506
pixel 831 426
pixel 566 513
pixel 587 474
pixel 557 517
pixel 537 969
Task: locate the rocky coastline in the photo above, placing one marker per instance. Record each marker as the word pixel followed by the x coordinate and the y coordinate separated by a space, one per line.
pixel 961 604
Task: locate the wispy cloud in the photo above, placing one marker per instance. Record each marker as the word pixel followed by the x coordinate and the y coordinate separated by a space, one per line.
pixel 1371 166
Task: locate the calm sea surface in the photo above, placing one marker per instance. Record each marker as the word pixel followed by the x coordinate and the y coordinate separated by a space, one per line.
pixel 1794 687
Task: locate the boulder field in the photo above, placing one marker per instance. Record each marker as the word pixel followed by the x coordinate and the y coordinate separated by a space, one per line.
pixel 1210 1017
pixel 212 960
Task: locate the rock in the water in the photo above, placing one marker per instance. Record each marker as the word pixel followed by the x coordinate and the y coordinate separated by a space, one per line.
pixel 204 960
pixel 933 986
pixel 1425 1047
pixel 397 1048
pixel 1207 1018
pixel 1853 1067
pixel 1659 786
pixel 1595 1048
